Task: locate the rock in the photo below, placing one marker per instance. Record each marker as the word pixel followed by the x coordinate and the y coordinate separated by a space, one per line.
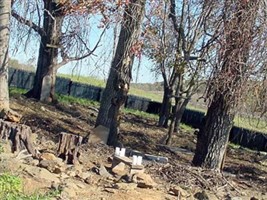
pixel 75 170
pixel 144 180
pixel 71 173
pixel 205 195
pixel 263 162
pixel 178 191
pixel 48 156
pixel 31 185
pixel 102 171
pixel 125 186
pixel 84 175
pixel 99 135
pixel 68 193
pixel 119 169
pixel 92 180
pixel 64 176
pixel 110 190
pixel 10 115
pixel 8 163
pixel 41 173
pixel 34 162
pixel 53 166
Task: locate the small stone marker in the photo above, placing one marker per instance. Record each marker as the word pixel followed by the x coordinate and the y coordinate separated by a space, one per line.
pixel 99 135
pixel 46 88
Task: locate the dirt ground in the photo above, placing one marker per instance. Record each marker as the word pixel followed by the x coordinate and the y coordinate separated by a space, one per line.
pixel 243 175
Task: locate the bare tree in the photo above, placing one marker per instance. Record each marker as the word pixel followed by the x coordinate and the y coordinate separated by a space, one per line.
pixel 5 7
pixel 238 56
pixel 183 50
pixel 159 47
pixel 62 36
pixel 118 82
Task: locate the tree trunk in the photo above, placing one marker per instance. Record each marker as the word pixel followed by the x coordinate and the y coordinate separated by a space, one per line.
pixel 5 7
pixel 213 137
pixel 45 77
pixel 115 93
pixel 179 115
pixel 179 109
pixel 165 109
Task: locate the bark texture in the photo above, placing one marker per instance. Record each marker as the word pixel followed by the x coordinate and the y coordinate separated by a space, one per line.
pixel 166 106
pixel 45 77
pixel 68 149
pixel 214 135
pixel 19 135
pixel 115 93
pixel 5 7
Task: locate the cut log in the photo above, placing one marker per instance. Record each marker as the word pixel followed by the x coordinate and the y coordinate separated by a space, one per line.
pixel 69 145
pixel 19 136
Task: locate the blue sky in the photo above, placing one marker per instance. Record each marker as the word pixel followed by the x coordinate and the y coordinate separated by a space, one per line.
pixel 97 66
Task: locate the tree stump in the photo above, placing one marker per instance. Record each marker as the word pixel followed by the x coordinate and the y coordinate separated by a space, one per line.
pixel 19 136
pixel 69 145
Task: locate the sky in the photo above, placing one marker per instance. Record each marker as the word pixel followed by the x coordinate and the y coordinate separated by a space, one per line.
pixel 97 65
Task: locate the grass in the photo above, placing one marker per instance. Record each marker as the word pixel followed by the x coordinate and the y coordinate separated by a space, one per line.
pixel 15 91
pixel 141 113
pixel 251 124
pixel 101 83
pixel 242 122
pixel 86 80
pixel 74 100
pixel 155 117
pixel 11 189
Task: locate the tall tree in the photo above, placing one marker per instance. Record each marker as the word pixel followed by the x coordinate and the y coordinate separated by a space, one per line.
pixel 178 44
pixel 57 43
pixel 45 77
pixel 118 83
pixel 235 65
pixel 159 47
pixel 5 7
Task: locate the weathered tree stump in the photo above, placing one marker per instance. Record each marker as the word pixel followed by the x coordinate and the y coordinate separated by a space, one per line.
pixel 19 136
pixel 69 145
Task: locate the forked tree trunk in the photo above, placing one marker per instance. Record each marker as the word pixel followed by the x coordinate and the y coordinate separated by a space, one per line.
pixel 45 77
pixel 179 115
pixel 118 83
pixel 5 7
pixel 69 146
pixel 179 109
pixel 19 135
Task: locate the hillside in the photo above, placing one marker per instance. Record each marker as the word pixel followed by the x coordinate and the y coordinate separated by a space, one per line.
pixel 93 179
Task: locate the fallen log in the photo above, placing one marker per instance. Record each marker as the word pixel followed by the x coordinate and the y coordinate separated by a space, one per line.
pixel 69 146
pixel 19 136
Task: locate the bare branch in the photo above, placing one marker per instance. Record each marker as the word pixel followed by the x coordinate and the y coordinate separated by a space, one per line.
pixel 67 58
pixel 28 23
